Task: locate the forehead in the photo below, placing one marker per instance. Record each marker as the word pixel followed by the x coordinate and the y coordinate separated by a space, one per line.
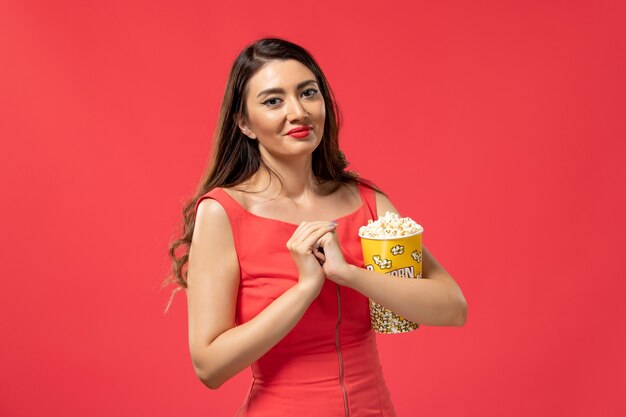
pixel 279 74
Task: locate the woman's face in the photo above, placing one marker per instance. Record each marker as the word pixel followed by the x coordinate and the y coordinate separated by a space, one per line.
pixel 294 101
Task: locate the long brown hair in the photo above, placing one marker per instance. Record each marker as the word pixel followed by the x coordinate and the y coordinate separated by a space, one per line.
pixel 235 158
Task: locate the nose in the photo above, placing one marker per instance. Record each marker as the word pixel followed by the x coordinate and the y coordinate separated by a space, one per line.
pixel 295 110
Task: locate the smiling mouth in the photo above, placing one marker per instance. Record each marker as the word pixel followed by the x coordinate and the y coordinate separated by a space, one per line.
pixel 300 133
pixel 299 129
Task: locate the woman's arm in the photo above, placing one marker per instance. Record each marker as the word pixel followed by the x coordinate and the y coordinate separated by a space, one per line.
pixel 436 301
pixel 220 349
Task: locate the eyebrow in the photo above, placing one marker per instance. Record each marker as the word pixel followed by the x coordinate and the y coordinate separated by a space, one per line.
pixel 280 90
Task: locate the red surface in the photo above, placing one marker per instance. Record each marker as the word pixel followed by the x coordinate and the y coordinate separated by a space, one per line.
pixel 514 166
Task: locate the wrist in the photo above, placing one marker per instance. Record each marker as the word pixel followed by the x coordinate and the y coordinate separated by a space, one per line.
pixel 308 290
pixel 344 276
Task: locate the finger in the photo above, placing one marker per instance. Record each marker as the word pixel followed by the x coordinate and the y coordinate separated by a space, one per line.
pixel 309 243
pixel 305 228
pixel 299 230
pixel 319 255
pixel 324 240
pixel 312 239
pixel 321 242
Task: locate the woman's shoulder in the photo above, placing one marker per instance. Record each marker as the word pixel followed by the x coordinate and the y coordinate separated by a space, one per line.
pixel 368 185
pixel 218 203
pixel 243 195
pixel 211 221
pixel 209 209
pixel 376 196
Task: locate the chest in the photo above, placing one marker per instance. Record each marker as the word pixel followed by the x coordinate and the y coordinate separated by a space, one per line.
pixel 320 208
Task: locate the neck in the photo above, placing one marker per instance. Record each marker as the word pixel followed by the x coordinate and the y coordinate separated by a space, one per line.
pixel 296 175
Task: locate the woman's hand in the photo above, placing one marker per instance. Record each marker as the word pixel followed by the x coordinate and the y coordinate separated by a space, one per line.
pixel 301 245
pixel 331 258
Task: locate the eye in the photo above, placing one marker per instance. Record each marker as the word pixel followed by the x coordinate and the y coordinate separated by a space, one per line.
pixel 312 92
pixel 269 102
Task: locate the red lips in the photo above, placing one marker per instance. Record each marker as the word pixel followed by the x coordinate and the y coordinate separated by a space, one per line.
pixel 299 129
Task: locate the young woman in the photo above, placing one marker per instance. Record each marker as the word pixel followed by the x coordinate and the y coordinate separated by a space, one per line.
pixel 275 276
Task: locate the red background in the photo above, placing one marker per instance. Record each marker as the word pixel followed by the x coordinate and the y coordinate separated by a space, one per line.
pixel 499 126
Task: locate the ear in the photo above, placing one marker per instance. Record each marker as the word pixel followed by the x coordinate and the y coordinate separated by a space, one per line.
pixel 244 127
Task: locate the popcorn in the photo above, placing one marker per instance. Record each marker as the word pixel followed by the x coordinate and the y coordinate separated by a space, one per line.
pixel 390 226
pixel 392 246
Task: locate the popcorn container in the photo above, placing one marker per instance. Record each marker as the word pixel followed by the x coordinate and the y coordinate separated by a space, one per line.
pixel 397 256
